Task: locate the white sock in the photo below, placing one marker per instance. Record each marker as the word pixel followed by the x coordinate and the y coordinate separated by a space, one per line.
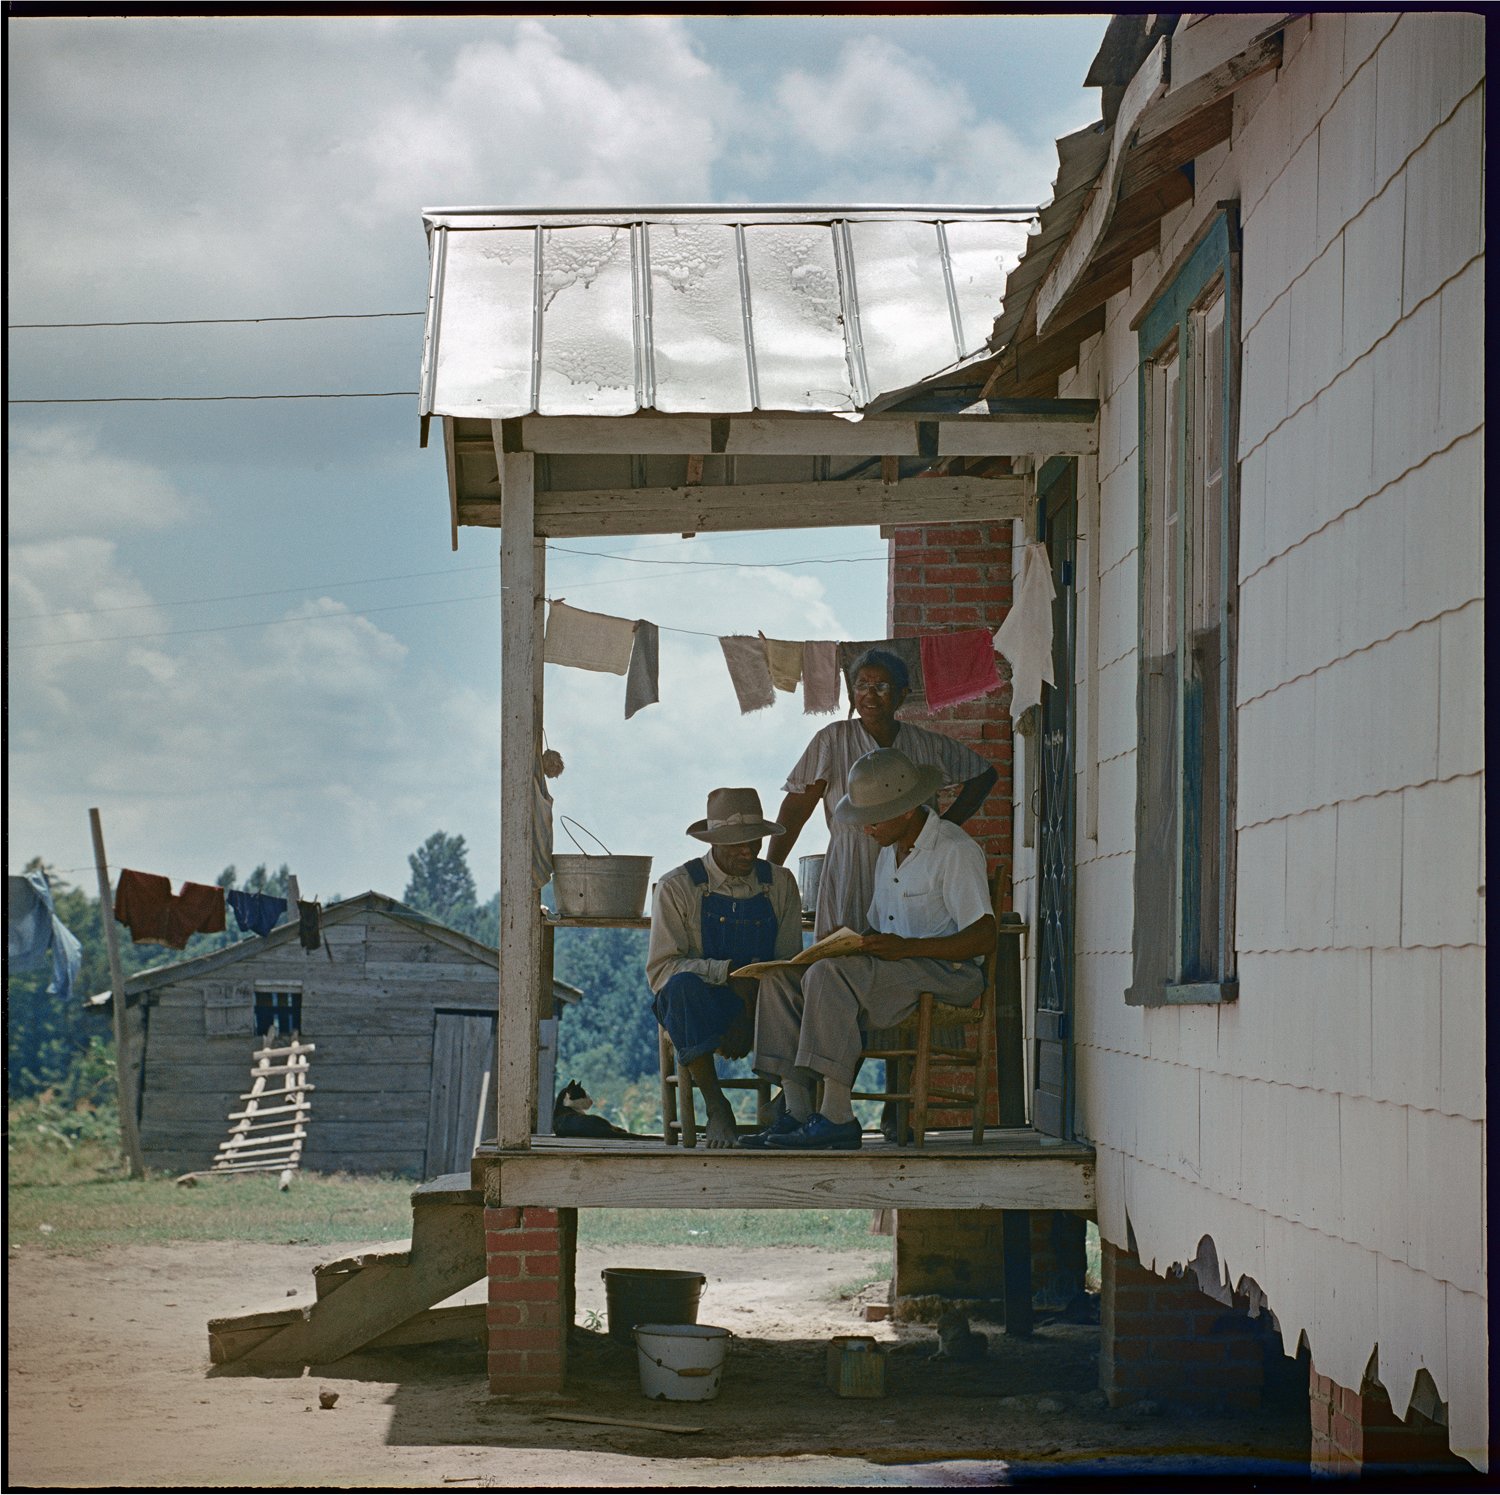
pixel 798 1093
pixel 836 1102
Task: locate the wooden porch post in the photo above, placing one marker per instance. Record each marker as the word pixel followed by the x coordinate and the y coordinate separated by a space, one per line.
pixel 520 925
pixel 130 1134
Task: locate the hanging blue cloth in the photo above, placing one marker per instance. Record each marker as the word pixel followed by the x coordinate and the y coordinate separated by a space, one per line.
pixel 31 925
pixel 255 913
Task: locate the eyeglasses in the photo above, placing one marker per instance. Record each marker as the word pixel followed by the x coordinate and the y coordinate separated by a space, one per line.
pixel 866 688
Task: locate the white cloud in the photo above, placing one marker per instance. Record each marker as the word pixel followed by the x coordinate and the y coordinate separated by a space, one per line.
pixel 60 484
pixel 882 116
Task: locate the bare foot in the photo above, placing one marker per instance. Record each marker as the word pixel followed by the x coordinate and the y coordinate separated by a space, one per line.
pixel 720 1131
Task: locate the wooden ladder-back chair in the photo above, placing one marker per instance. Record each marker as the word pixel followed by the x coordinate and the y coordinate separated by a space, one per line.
pixel 939 1030
pixel 678 1121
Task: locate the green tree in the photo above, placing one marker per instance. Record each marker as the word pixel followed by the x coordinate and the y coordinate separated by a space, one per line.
pixel 609 1036
pixel 441 884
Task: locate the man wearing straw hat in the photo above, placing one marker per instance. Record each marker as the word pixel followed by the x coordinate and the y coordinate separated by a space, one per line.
pixel 708 917
pixel 932 925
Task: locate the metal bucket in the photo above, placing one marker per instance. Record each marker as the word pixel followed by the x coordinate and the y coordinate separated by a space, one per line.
pixel 809 875
pixel 599 887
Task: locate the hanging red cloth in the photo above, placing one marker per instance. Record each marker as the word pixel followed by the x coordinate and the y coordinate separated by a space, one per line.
pixel 958 667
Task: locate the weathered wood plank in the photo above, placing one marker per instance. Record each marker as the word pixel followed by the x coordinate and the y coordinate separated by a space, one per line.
pixel 631 511
pixel 447 1255
pixel 522 581
pixel 702 1180
pixel 1019 439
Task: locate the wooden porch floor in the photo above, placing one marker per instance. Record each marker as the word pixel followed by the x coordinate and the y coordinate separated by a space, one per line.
pixel 1011 1169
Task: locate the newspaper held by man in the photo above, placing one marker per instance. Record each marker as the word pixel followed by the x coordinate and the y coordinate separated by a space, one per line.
pixel 841 942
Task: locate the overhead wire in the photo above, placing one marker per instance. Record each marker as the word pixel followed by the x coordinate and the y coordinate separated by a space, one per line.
pixel 328 316
pixel 698 568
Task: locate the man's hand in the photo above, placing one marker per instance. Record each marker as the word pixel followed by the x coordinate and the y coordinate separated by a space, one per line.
pixel 886 946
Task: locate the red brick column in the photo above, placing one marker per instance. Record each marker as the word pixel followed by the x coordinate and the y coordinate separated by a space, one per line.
pixel 1162 1340
pixel 1356 1431
pixel 529 1257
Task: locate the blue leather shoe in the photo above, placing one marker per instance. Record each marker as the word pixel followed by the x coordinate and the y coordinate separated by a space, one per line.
pixel 781 1127
pixel 818 1133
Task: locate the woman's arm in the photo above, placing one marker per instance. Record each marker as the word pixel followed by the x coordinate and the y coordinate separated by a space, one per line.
pixel 970 797
pixel 793 814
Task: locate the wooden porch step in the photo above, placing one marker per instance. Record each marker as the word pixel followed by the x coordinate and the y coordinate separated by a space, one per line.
pixel 230 1338
pixel 365 1298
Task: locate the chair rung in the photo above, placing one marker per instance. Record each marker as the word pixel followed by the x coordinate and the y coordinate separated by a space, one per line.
pixel 888 1054
pixel 880 1095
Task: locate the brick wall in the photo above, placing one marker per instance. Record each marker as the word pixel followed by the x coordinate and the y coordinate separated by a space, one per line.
pixel 946 577
pixel 529 1255
pixel 1164 1341
pixel 1357 1431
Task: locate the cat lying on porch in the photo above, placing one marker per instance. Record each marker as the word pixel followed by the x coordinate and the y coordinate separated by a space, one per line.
pixel 570 1116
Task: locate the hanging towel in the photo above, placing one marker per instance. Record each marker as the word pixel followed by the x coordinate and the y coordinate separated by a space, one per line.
pixel 958 667
pixel 31 924
pixel 785 661
pixel 1025 637
pixel 749 672
pixel 587 641
pixel 541 828
pixel 820 677
pixel 143 904
pixel 641 683
pixel 907 650
pixel 255 913
pixel 309 923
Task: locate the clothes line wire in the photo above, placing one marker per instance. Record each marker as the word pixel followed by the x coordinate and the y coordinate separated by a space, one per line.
pixel 379 394
pixel 328 316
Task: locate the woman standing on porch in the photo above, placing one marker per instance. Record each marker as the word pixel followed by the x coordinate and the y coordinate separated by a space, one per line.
pixel 878 685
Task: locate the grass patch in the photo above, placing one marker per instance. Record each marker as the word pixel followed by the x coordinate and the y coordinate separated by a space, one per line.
pixel 64 1172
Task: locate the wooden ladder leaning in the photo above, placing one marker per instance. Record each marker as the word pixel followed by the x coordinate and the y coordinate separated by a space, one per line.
pixel 267 1135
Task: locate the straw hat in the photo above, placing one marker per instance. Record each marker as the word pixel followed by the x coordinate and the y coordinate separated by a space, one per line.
pixel 885 784
pixel 733 816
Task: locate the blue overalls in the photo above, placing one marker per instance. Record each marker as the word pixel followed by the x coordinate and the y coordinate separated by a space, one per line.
pixel 697 1016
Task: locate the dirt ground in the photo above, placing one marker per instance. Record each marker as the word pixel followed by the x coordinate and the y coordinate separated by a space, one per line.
pixel 109 1385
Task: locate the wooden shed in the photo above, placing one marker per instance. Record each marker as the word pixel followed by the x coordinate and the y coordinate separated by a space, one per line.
pixel 400 1010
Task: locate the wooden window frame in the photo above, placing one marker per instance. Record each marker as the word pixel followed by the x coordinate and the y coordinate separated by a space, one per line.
pixel 1171 328
pixel 289 989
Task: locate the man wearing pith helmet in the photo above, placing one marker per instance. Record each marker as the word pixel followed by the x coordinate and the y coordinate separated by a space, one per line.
pixel 710 916
pixel 931 925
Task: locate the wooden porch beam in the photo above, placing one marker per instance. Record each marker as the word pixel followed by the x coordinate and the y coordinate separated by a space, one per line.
pixel 986 433
pixel 652 511
pixel 699 1179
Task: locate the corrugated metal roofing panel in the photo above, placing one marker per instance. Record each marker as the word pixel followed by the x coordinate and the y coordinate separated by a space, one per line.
pixel 610 311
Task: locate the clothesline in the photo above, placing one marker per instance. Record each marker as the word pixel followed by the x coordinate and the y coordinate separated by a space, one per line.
pixel 943 667
pixel 154 915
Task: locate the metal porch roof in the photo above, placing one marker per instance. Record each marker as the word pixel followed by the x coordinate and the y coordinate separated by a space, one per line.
pixel 718 310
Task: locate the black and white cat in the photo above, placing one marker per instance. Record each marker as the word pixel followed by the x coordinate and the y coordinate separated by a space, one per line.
pixel 570 1116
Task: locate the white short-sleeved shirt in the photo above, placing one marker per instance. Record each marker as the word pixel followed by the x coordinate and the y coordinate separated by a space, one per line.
pixel 849 869
pixel 938 890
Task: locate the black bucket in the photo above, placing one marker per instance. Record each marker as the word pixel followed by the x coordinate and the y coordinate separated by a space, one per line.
pixel 649 1295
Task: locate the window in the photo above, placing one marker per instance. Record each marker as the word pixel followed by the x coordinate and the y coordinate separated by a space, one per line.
pixel 1184 873
pixel 278 1012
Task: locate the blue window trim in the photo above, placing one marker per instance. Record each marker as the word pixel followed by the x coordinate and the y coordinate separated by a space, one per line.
pixel 1213 259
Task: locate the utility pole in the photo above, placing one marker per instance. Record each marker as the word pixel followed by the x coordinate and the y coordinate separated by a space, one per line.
pixel 130 1135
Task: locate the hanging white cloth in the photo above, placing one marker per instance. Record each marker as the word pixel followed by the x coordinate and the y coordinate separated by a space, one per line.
pixel 1025 637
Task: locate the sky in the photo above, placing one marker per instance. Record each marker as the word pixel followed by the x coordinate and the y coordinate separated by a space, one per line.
pixel 238 628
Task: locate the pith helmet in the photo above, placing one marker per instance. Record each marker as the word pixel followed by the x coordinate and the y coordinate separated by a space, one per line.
pixel 885 784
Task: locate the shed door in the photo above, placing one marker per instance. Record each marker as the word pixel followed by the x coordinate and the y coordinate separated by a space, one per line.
pixel 1052 1095
pixel 463 1059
